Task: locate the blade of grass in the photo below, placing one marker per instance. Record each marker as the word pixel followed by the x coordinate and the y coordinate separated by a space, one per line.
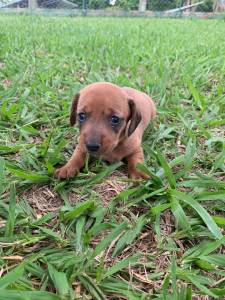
pixel 60 281
pixel 179 214
pixel 12 276
pixel 78 210
pixel 28 295
pixel 208 220
pixel 31 176
pixel 92 287
pixel 108 239
pixel 11 214
pixel 167 170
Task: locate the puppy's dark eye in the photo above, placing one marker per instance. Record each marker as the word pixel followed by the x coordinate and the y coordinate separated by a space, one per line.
pixel 115 120
pixel 82 117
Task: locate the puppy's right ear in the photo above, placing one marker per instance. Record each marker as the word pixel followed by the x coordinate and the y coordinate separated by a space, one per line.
pixel 73 111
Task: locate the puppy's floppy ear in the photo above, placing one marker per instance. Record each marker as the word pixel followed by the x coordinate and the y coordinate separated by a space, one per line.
pixel 135 117
pixel 73 110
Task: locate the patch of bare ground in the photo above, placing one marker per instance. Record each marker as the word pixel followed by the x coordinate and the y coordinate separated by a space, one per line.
pixel 111 187
pixel 44 199
pixel 2 65
pixel 6 83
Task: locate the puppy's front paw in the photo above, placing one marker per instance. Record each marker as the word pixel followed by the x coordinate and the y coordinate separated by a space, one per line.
pixel 138 175
pixel 66 171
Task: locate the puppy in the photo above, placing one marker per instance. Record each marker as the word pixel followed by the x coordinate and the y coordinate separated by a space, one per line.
pixel 112 121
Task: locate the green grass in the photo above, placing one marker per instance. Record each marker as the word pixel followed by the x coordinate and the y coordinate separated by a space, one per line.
pixel 98 236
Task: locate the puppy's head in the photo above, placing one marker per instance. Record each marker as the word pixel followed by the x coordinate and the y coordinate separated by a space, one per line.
pixel 105 116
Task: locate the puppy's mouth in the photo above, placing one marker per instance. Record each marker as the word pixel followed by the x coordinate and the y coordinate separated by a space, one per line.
pixel 101 152
pixel 94 153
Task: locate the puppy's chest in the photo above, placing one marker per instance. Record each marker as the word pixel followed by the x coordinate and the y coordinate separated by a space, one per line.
pixel 112 157
pixel 118 154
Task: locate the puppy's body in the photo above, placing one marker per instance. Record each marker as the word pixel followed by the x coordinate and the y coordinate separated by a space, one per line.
pixel 99 106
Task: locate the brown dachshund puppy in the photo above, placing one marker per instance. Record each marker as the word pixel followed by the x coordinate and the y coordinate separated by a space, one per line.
pixel 112 121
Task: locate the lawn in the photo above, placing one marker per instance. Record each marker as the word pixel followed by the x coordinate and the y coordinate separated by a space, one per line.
pixel 100 235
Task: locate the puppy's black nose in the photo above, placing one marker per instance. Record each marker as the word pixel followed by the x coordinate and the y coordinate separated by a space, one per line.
pixel 92 147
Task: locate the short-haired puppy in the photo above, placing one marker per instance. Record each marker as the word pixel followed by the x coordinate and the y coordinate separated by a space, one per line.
pixel 112 121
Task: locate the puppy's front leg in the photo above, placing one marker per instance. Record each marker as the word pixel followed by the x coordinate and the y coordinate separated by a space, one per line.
pixel 133 159
pixel 73 166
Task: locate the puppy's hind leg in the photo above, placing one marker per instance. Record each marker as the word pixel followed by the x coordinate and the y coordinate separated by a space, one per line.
pixel 73 166
pixel 133 159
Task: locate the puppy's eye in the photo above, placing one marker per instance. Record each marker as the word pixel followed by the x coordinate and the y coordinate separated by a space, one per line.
pixel 82 117
pixel 115 120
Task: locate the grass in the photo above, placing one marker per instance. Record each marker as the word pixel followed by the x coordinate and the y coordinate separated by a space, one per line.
pixel 98 236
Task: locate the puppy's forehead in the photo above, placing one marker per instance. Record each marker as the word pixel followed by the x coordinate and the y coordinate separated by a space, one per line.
pixel 108 99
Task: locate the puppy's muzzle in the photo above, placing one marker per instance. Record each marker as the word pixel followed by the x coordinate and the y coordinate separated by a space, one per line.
pixel 92 146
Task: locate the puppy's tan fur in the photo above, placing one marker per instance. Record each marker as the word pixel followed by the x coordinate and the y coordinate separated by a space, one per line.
pixel 100 101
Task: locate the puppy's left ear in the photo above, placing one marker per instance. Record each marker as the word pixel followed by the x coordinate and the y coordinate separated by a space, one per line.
pixel 135 117
pixel 73 110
